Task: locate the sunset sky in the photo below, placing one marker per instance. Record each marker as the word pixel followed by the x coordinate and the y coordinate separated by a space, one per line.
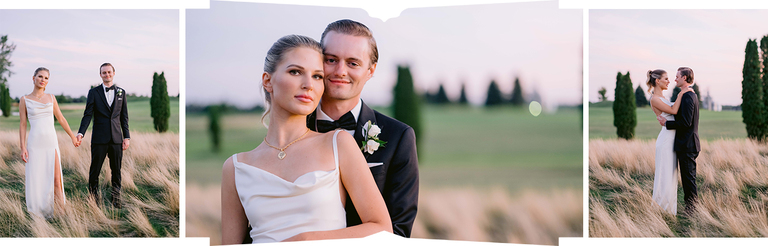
pixel 74 43
pixel 711 42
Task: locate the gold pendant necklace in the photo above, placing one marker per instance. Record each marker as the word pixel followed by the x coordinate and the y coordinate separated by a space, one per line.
pixel 281 155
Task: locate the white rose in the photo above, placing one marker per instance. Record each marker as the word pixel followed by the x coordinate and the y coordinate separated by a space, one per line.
pixel 374 131
pixel 371 146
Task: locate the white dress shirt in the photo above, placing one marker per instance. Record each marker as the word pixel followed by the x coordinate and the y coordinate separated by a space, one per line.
pixel 110 95
pixel 355 112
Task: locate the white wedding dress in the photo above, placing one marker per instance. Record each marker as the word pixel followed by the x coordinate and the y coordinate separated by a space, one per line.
pixel 665 178
pixel 43 149
pixel 278 209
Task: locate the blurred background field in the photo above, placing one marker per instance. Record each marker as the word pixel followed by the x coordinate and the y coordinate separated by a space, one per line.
pixel 462 145
pixel 139 118
pixel 712 124
pixel 479 169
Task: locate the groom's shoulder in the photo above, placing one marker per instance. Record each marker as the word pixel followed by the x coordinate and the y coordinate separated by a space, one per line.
pixel 385 121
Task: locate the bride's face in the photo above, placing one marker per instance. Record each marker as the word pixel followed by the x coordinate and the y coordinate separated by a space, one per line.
pixel 663 82
pixel 41 79
pixel 297 83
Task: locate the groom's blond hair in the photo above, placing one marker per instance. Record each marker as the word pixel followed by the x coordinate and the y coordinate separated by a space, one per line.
pixel 353 28
pixel 688 73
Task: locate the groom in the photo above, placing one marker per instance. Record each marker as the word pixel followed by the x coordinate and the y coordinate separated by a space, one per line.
pixel 350 60
pixel 106 104
pixel 687 147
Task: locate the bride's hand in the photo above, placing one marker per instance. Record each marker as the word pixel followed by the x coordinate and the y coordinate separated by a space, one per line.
pixel 684 90
pixel 24 154
pixel 75 142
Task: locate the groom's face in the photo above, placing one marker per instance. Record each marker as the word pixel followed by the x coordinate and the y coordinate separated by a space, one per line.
pixel 680 80
pixel 107 74
pixel 347 65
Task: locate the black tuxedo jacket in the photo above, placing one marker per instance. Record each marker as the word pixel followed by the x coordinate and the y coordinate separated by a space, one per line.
pixel 398 176
pixel 110 124
pixel 686 124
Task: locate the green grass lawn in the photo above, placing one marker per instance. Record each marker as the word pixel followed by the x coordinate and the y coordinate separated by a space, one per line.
pixel 139 118
pixel 712 125
pixel 460 146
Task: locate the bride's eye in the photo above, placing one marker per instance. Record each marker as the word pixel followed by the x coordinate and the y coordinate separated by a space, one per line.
pixel 317 76
pixel 294 72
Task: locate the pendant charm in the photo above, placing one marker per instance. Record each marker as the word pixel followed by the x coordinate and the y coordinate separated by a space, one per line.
pixel 281 155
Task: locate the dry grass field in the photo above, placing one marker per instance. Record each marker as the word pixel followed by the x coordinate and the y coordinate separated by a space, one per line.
pixel 448 213
pixel 732 180
pixel 150 193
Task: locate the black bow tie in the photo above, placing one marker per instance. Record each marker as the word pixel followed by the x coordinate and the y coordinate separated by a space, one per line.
pixel 347 121
pixel 109 88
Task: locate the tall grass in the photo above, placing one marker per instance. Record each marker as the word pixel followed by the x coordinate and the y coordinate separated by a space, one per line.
pixel 446 213
pixel 732 180
pixel 150 191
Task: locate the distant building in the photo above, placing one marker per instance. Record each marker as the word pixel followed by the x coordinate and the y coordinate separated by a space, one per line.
pixel 709 104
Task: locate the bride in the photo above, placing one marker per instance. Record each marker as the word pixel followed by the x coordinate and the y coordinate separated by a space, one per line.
pixel 293 186
pixel 665 177
pixel 40 150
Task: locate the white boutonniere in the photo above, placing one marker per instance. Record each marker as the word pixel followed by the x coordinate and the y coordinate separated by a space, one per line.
pixel 119 92
pixel 371 140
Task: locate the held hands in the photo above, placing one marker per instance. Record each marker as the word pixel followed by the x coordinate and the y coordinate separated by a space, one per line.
pixel 126 143
pixel 78 139
pixel 75 142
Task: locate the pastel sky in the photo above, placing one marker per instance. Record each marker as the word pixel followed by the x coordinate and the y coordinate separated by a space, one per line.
pixel 74 43
pixel 535 41
pixel 711 42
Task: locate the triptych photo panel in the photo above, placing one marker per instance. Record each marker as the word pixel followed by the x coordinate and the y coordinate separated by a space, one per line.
pixel 520 122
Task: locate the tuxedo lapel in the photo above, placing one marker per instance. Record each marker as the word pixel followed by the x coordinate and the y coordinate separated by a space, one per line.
pixel 365 115
pixel 103 97
pixel 114 99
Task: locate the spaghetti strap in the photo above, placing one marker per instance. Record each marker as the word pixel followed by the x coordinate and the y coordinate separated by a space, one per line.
pixel 336 149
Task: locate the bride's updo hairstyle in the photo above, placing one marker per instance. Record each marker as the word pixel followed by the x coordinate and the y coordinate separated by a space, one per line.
pixel 653 77
pixel 275 56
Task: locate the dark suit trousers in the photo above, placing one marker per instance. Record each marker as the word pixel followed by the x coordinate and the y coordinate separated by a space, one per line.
pixel 98 153
pixel 687 162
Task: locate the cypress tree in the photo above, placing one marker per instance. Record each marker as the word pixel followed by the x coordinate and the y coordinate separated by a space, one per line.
pixel 640 99
pixel 752 93
pixel 624 107
pixel 494 95
pixel 517 94
pixel 696 90
pixel 764 56
pixel 463 95
pixel 5 100
pixel 160 103
pixel 214 128
pixel 441 97
pixel 406 106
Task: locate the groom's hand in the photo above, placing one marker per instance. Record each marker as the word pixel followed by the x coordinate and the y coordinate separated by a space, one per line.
pixel 126 143
pixel 662 120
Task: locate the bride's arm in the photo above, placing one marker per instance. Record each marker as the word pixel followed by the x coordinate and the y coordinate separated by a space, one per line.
pixel 656 102
pixel 62 120
pixel 362 190
pixel 23 128
pixel 233 219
